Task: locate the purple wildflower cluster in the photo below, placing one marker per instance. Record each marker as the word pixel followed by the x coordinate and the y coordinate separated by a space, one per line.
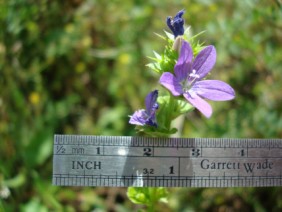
pixel 187 80
pixel 188 75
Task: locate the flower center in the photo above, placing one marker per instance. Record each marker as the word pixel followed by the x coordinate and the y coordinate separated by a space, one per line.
pixel 187 83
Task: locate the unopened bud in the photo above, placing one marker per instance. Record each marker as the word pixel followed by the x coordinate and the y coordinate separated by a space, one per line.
pixel 177 44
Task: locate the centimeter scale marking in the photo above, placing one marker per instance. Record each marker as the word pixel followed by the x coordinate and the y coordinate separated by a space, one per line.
pixel 120 161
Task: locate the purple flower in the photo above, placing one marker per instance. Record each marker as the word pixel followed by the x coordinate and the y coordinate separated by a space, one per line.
pixel 148 116
pixel 177 24
pixel 188 82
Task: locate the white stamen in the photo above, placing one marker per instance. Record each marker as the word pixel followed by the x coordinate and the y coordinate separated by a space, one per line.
pixel 193 74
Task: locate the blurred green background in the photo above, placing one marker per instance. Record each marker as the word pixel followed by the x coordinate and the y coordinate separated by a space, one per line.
pixel 78 67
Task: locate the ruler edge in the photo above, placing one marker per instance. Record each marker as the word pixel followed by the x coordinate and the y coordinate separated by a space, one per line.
pixel 175 139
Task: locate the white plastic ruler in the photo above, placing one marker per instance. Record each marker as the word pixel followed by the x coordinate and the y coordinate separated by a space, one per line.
pixel 120 161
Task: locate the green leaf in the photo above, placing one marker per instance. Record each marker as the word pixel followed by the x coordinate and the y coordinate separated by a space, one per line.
pixel 165 62
pixel 34 205
pixel 169 35
pixel 157 55
pixel 159 131
pixel 177 106
pixel 39 148
pixel 161 194
pixel 162 37
pixel 182 106
pixel 138 195
pixel 147 196
pixel 154 66
pixel 17 181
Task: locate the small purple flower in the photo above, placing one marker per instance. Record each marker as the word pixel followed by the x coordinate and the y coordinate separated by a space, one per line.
pixel 188 79
pixel 177 24
pixel 148 116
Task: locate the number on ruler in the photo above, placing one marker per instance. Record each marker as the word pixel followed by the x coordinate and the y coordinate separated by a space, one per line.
pixel 147 151
pixel 242 153
pixel 61 150
pixel 148 171
pixel 171 171
pixel 195 152
pixel 98 150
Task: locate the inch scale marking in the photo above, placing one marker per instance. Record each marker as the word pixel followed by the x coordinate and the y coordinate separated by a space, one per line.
pixel 120 161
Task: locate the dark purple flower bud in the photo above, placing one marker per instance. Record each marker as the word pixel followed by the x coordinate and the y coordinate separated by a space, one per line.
pixel 176 25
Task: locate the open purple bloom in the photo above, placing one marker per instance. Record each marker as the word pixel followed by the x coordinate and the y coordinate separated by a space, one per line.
pixel 188 82
pixel 148 116
pixel 177 24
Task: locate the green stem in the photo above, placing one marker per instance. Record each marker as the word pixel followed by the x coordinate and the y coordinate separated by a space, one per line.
pixel 151 208
pixel 169 111
pixel 152 193
pixel 1 206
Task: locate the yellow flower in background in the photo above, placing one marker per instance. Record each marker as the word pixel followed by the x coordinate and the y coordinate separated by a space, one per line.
pixel 80 67
pixel 86 41
pixel 69 28
pixel 124 58
pixel 2 48
pixel 34 98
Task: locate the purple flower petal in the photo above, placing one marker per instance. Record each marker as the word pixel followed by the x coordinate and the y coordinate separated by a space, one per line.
pixel 150 101
pixel 204 61
pixel 171 83
pixel 199 103
pixel 184 61
pixel 179 14
pixel 187 79
pixel 214 90
pixel 148 116
pixel 138 118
